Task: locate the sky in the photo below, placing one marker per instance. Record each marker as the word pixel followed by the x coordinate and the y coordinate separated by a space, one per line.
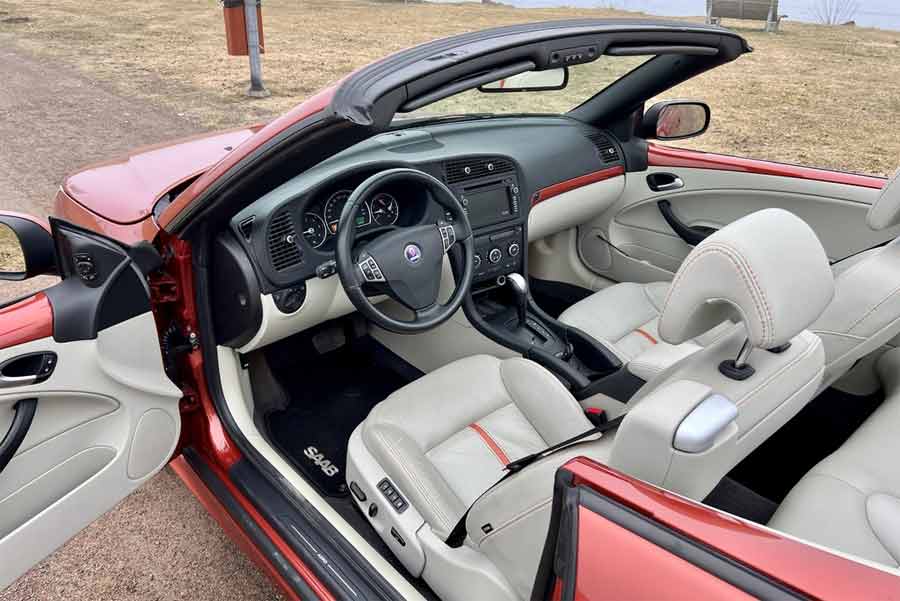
pixel 871 13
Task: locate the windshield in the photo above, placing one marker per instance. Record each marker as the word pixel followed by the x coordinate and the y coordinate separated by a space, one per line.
pixel 584 82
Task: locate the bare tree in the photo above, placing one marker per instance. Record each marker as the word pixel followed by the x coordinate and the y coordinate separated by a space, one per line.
pixel 834 12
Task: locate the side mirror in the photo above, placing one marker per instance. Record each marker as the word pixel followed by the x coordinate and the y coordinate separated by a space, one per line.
pixel 26 247
pixel 675 120
pixel 529 81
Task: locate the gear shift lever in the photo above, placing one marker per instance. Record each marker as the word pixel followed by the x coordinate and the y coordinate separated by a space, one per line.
pixel 519 286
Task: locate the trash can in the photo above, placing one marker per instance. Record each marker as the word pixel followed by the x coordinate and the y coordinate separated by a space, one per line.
pixel 236 27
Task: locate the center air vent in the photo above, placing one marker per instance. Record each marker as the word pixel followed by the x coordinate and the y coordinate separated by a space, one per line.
pixel 465 169
pixel 606 150
pixel 282 240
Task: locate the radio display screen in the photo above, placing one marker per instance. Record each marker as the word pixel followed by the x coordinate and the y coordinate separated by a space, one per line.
pixel 488 204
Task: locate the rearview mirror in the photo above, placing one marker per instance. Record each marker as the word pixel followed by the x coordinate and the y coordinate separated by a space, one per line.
pixel 529 81
pixel 26 248
pixel 675 120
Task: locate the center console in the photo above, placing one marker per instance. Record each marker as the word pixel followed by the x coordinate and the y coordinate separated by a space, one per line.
pixel 500 305
pixel 488 190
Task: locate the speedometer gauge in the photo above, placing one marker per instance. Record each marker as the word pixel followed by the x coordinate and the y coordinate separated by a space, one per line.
pixel 314 230
pixel 335 205
pixel 385 209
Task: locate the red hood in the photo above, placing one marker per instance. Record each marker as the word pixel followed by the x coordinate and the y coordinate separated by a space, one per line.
pixel 125 190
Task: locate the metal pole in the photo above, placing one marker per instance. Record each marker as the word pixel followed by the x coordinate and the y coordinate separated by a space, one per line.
pixel 257 89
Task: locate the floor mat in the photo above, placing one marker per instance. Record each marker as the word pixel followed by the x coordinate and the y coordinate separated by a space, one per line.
pixel 737 499
pixel 330 395
pixel 818 430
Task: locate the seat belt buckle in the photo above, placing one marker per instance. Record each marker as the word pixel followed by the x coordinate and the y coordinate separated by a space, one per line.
pixel 596 416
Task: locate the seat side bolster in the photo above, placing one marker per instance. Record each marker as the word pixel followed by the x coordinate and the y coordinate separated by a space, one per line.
pixel 414 476
pixel 531 387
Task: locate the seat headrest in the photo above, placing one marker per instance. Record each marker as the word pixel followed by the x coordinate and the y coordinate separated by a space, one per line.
pixel 885 212
pixel 767 269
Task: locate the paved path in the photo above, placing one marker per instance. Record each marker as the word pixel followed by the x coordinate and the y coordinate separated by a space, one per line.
pixel 159 543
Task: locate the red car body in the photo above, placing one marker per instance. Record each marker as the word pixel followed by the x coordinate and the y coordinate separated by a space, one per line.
pixel 613 562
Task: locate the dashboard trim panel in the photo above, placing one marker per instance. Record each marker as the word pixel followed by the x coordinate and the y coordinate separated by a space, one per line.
pixel 577 182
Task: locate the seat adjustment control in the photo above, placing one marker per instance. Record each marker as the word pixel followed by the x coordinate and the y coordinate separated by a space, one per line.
pixel 390 493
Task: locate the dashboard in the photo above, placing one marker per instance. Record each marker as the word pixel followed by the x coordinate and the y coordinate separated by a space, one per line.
pixel 495 168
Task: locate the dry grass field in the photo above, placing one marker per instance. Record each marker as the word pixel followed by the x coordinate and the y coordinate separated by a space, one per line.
pixel 822 96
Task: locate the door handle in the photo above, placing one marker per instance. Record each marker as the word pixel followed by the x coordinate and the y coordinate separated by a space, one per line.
pixel 692 234
pixel 25 410
pixel 664 182
pixel 28 369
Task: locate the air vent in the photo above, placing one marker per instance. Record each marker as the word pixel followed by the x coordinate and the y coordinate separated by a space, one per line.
pixel 246 227
pixel 606 150
pixel 465 169
pixel 282 239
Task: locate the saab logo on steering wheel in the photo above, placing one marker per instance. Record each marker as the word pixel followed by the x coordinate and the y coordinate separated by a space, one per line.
pixel 412 253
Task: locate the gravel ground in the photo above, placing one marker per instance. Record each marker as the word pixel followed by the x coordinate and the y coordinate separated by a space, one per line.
pixel 159 543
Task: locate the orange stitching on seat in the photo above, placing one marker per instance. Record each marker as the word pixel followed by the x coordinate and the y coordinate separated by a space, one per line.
pixel 647 336
pixel 491 444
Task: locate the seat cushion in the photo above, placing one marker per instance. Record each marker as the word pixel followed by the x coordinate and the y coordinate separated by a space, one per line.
pixel 625 317
pixel 850 501
pixel 445 438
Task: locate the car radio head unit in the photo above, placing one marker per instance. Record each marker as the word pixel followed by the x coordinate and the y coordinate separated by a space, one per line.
pixel 490 202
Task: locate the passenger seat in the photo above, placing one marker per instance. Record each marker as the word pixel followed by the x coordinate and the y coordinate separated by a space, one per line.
pixel 625 318
pixel 850 501
pixel 864 315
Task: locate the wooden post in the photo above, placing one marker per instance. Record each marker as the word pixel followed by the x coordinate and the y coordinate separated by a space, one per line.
pixel 257 89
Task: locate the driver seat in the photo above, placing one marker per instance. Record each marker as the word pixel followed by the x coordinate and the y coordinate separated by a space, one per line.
pixel 425 454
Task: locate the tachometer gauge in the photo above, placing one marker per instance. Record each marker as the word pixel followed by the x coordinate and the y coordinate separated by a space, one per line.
pixel 385 209
pixel 335 205
pixel 314 230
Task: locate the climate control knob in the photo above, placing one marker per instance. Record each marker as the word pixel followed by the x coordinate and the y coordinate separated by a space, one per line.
pixel 513 249
pixel 476 261
pixel 495 255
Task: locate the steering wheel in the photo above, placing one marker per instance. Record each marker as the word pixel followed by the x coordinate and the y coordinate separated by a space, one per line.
pixel 405 263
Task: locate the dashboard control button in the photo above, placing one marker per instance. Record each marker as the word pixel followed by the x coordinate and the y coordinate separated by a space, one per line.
pixel 513 249
pixel 495 255
pixel 476 261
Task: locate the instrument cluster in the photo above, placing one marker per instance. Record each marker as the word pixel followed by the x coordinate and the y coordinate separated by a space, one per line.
pixel 321 218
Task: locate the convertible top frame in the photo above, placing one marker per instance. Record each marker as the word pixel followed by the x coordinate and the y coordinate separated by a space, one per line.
pixel 365 102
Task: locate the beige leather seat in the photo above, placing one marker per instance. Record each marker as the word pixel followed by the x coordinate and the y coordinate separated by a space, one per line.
pixel 850 501
pixel 864 315
pixel 442 441
pixel 431 449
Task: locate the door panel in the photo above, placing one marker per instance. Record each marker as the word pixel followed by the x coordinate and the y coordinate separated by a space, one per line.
pixel 714 198
pixel 614 537
pixel 107 416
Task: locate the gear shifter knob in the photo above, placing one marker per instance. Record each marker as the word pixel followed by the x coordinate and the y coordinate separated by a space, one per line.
pixel 519 286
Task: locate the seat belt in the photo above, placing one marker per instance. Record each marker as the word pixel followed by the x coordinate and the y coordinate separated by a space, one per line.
pixel 859 252
pixel 458 535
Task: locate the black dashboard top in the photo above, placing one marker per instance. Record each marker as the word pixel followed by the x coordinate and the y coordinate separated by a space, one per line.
pixel 290 231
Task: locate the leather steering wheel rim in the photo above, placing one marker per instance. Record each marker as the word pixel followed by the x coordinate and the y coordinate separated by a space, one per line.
pixel 405 258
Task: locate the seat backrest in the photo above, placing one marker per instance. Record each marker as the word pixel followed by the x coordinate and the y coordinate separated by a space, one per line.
pixel 865 312
pixel 768 271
